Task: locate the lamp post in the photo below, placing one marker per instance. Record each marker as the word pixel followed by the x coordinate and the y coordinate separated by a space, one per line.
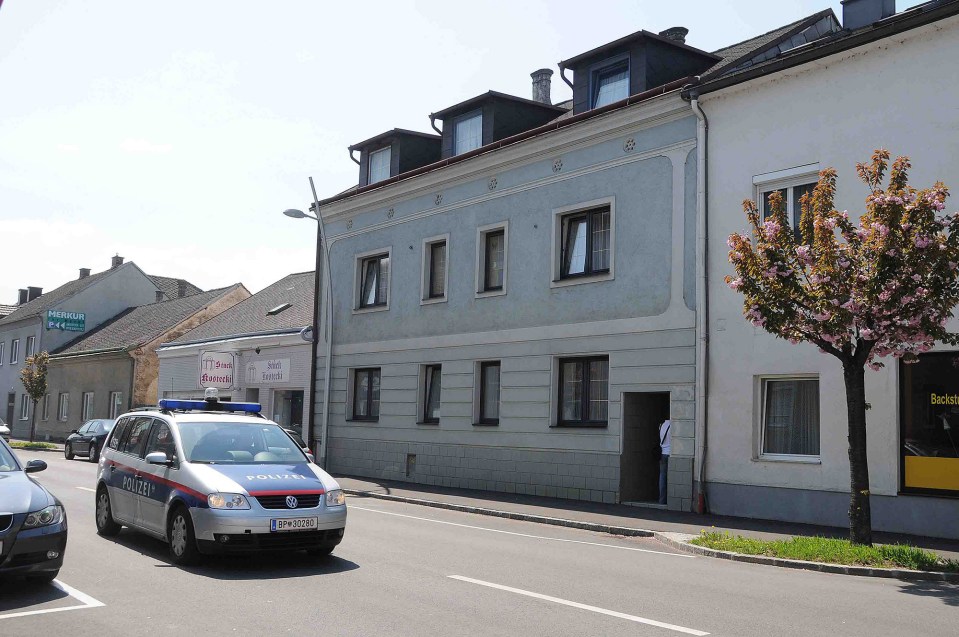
pixel 322 263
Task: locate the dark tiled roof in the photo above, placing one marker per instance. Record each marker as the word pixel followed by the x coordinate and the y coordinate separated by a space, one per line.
pixel 171 287
pixel 139 325
pixel 7 309
pixel 44 302
pixel 746 49
pixel 250 315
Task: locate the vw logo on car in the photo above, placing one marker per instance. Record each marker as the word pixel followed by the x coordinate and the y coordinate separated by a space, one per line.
pixel 291 502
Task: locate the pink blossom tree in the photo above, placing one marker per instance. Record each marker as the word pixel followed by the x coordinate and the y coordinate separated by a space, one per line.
pixel 860 293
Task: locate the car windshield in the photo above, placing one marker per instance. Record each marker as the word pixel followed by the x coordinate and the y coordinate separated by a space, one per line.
pixel 237 443
pixel 7 462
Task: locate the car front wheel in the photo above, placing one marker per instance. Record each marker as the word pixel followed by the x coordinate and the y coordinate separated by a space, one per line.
pixel 68 451
pixel 183 548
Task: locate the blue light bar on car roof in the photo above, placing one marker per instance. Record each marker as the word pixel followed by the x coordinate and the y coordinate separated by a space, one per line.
pixel 208 405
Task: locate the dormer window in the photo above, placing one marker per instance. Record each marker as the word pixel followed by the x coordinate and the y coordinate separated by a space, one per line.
pixel 468 132
pixel 610 83
pixel 379 165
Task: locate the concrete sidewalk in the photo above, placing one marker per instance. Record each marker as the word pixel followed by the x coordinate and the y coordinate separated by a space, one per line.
pixel 623 516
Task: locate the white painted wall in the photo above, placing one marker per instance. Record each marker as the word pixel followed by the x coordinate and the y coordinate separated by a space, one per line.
pixel 893 94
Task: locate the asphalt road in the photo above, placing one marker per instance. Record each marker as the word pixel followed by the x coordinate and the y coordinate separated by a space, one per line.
pixel 409 570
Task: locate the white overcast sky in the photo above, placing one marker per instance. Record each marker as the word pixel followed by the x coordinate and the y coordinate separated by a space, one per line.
pixel 174 133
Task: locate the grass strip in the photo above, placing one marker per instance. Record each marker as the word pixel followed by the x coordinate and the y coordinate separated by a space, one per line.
pixel 832 551
pixel 19 444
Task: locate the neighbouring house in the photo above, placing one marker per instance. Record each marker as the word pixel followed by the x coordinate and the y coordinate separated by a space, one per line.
pixel 47 322
pixel 114 367
pixel 777 431
pixel 261 338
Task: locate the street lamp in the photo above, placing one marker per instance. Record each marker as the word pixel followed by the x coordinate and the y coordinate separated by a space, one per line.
pixel 322 263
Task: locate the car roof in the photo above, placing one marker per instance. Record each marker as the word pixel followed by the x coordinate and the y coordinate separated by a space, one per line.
pixel 201 416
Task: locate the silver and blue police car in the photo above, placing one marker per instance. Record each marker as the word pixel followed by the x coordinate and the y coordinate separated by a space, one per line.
pixel 212 477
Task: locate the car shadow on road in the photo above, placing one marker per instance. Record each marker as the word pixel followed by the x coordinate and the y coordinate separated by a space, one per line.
pixel 948 593
pixel 17 594
pixel 273 565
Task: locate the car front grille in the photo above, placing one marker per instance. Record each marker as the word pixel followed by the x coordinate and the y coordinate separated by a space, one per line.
pixel 6 519
pixel 303 501
pixel 288 541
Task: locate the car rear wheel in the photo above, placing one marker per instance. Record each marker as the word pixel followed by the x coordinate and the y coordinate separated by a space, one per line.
pixel 183 548
pixel 106 525
pixel 68 451
pixel 94 452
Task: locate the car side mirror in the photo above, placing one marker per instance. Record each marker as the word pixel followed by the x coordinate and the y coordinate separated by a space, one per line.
pixel 35 465
pixel 158 457
pixel 75 431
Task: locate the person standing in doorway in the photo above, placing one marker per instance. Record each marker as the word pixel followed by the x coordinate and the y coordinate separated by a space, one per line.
pixel 664 444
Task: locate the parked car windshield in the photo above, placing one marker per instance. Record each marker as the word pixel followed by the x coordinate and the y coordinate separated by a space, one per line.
pixel 7 462
pixel 237 443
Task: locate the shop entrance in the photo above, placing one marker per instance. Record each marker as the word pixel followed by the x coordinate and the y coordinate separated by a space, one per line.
pixel 288 409
pixel 639 463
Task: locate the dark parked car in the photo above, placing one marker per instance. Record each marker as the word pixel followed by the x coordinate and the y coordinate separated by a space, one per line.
pixel 4 430
pixel 33 524
pixel 298 440
pixel 88 439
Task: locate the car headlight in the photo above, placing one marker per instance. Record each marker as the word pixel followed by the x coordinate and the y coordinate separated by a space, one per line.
pixel 336 497
pixel 227 501
pixel 52 514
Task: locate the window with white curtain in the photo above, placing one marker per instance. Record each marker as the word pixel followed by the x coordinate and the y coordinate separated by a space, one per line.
pixel 87 407
pixel 379 166
pixel 790 424
pixel 610 84
pixel 467 132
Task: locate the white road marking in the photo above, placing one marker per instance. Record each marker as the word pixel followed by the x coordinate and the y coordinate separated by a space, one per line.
pixel 87 489
pixel 536 537
pixel 85 602
pixel 595 609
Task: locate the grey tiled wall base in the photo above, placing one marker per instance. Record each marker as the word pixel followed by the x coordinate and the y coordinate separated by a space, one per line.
pixel 559 474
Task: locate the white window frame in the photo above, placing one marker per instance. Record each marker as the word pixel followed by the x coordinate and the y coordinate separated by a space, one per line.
pixel 86 409
pixel 789 178
pixel 3 350
pixel 358 280
pixel 31 345
pixel 427 267
pixel 369 164
pixel 760 410
pixel 24 407
pixel 45 413
pixel 480 273
pixel 556 280
pixel 465 117
pixel 63 407
pixel 15 351
pixel 116 404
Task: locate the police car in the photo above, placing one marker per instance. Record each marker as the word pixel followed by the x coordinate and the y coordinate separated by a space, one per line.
pixel 215 477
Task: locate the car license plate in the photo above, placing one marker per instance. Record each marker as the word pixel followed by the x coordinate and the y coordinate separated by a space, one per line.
pixel 293 524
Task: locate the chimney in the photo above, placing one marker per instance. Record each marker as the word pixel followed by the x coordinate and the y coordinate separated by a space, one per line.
pixel 159 295
pixel 675 33
pixel 116 262
pixel 541 85
pixel 180 288
pixel 861 13
pixel 22 297
pixel 84 273
pixel 33 292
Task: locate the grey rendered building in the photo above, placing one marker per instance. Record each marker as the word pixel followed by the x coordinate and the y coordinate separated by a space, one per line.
pixel 46 322
pixel 519 316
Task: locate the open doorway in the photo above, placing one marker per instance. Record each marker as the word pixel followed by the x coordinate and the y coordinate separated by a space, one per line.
pixel 639 463
pixel 288 409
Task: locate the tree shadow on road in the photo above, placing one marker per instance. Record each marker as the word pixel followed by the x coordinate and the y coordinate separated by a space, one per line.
pixel 948 593
pixel 273 565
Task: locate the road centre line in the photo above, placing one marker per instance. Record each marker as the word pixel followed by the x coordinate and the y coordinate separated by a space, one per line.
pixel 595 609
pixel 536 537
pixel 85 602
pixel 88 489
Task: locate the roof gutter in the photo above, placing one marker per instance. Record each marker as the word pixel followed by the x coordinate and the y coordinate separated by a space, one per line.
pixel 93 352
pixel 230 337
pixel 877 32
pixel 519 137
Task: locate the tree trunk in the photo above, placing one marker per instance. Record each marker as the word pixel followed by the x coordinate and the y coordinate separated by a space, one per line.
pixel 860 516
pixel 33 421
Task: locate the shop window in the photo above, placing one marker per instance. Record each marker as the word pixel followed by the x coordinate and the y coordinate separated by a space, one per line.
pixel 929 425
